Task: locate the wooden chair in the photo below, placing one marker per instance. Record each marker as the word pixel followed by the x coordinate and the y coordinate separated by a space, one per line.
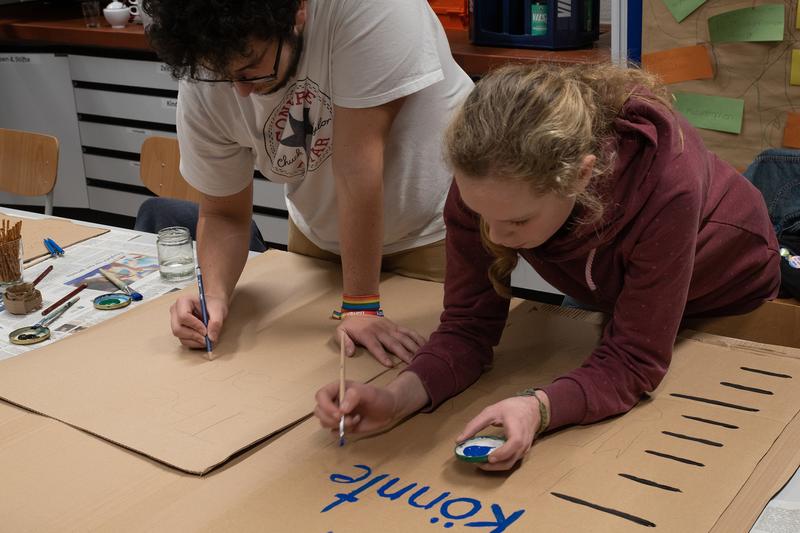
pixel 29 164
pixel 159 170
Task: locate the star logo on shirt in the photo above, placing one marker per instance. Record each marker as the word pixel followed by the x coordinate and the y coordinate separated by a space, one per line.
pixel 301 131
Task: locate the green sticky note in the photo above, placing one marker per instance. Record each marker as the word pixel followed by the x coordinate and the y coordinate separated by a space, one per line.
pixel 711 112
pixel 681 9
pixel 759 23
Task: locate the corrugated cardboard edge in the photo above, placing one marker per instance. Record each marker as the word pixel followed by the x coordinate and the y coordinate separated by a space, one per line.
pixel 782 459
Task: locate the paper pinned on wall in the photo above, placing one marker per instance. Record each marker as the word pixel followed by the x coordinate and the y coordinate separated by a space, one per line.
pixel 711 112
pixel 680 64
pixel 791 133
pixel 795 78
pixel 751 24
pixel 681 9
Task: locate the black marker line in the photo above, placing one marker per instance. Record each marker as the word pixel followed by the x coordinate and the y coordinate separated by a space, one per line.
pixel 745 388
pixel 766 372
pixel 620 514
pixel 674 458
pixel 712 422
pixel 650 483
pixel 714 402
pixel 693 439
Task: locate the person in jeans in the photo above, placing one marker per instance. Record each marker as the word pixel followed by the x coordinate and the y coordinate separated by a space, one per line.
pixel 344 102
pixel 590 176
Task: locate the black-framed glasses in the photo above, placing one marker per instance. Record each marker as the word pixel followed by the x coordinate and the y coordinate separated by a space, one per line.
pixel 257 79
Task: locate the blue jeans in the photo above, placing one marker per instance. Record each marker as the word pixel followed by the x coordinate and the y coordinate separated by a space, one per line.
pixel 776 173
pixel 156 214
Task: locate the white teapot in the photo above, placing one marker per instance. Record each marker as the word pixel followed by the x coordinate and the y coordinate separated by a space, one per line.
pixel 117 14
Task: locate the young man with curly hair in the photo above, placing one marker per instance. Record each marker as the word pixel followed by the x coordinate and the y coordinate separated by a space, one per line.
pixel 344 101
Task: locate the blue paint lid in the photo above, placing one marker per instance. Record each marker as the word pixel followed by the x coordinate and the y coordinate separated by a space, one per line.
pixel 478 448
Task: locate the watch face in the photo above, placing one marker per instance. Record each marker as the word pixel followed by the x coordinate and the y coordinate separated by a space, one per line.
pixel 116 300
pixel 29 335
pixel 477 449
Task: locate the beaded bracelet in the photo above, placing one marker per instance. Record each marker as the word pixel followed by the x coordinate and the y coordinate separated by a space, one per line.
pixel 544 416
pixel 368 305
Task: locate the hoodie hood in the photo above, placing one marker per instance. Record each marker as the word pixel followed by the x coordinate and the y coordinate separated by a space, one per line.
pixel 646 136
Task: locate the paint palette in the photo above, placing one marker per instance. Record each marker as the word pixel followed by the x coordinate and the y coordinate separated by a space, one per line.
pixel 115 300
pixel 477 449
pixel 29 335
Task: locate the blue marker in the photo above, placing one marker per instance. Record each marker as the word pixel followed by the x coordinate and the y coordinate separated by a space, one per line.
pixel 203 308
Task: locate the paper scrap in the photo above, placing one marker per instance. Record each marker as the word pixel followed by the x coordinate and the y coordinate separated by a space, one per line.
pixel 795 78
pixel 681 9
pixel 680 64
pixel 797 20
pixel 711 112
pixel 759 23
pixel 791 133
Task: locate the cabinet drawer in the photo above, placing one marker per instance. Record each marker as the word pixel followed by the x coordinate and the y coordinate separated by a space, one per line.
pixel 112 169
pixel 131 72
pixel 156 109
pixel 122 138
pixel 268 194
pixel 273 229
pixel 118 202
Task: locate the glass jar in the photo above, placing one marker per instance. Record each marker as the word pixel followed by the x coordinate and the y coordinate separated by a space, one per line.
pixel 175 253
pixel 10 262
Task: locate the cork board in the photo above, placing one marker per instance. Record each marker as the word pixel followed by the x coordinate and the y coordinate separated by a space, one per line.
pixel 757 72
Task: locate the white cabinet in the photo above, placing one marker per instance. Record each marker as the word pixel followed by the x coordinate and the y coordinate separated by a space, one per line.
pixel 36 95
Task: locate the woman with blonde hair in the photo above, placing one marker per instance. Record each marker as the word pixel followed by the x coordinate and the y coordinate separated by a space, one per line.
pixel 589 175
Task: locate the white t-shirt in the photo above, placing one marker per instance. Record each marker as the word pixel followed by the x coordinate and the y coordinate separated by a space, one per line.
pixel 356 54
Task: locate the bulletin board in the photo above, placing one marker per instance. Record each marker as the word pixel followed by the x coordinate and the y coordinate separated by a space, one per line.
pixel 758 72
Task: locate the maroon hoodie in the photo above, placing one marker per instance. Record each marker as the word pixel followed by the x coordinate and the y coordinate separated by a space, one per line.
pixel 683 234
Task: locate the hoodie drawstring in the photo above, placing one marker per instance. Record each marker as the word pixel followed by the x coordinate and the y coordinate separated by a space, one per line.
pixel 588 271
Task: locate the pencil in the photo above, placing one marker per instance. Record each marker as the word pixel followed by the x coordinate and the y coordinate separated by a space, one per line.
pixel 65 298
pixel 341 385
pixel 204 310
pixel 41 276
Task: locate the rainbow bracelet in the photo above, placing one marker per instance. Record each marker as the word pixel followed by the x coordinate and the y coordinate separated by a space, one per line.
pixel 368 305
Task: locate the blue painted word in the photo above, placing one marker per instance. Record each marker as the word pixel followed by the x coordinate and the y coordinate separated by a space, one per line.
pixel 451 509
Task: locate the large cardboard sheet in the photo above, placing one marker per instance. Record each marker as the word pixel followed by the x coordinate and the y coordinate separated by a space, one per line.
pixel 64 232
pixel 757 72
pixel 56 478
pixel 128 380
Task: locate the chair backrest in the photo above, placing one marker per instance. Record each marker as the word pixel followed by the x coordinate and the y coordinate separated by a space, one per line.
pixel 159 170
pixel 28 164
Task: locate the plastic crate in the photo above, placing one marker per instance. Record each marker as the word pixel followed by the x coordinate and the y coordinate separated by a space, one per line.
pixel 454 14
pixel 568 24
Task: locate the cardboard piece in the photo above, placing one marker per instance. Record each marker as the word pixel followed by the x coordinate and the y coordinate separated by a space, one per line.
pixel 679 64
pixel 302 481
pixel 129 381
pixel 681 9
pixel 711 112
pixel 776 322
pixel 791 132
pixel 759 23
pixel 757 72
pixel 64 232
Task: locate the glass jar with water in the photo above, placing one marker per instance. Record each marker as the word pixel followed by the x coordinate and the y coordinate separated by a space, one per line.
pixel 175 253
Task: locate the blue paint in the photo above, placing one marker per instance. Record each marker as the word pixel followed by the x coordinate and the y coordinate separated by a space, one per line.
pixel 452 509
pixel 477 451
pixel 474 504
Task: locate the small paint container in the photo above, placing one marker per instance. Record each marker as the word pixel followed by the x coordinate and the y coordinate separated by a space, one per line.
pixel 29 335
pixel 477 449
pixel 111 301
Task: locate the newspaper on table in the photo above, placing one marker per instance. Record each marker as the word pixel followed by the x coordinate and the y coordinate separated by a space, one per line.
pixel 127 254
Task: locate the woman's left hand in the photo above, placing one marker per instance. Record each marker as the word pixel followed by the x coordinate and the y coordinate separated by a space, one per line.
pixel 520 418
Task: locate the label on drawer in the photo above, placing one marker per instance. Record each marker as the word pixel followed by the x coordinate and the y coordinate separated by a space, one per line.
pixel 161 68
pixel 139 131
pixel 169 103
pixel 19 59
pixel 134 164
